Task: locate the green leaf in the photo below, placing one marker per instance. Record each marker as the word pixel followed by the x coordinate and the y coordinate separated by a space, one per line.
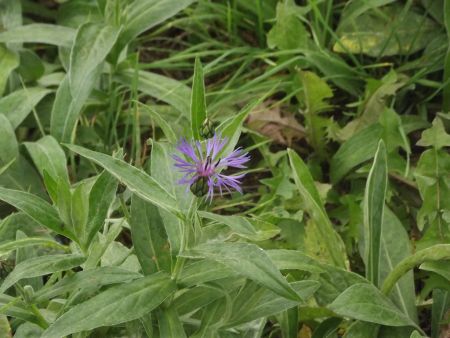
pixel 170 324
pixel 244 227
pixel 442 268
pixel 162 123
pixel 39 266
pixel 48 155
pixel 17 105
pixel 118 304
pixel 203 271
pixel 40 33
pixel 9 148
pixel 136 180
pixel 313 205
pixel 162 170
pixel 249 261
pixel 365 302
pixel 432 179
pixel 288 31
pixel 315 92
pixel 253 303
pixel 294 260
pixel 374 197
pixel 396 246
pixel 6 247
pixel 149 238
pixel 101 196
pixel 145 14
pixel 35 207
pixel 16 308
pixel 441 303
pixel 87 279
pixel 8 62
pixel 436 136
pixel 198 103
pixel 67 108
pixel 92 43
pixel 384 32
pixel 160 87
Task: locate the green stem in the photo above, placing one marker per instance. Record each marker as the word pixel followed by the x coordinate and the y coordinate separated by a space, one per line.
pixel 434 253
pixel 42 322
pixel 187 226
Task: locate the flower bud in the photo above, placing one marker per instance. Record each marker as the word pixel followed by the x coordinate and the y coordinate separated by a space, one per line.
pixel 200 187
pixel 207 129
pixel 28 293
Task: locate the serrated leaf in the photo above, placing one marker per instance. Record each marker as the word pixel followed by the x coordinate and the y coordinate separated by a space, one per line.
pixel 436 136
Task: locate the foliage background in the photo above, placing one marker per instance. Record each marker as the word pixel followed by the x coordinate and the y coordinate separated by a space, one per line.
pixel 97 239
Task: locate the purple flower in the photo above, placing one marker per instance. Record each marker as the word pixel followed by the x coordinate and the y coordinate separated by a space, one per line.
pixel 202 166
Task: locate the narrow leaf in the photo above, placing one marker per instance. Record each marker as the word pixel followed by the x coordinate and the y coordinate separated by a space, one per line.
pixel 35 207
pixel 39 266
pixel 119 304
pixel 198 103
pixel 136 180
pixel 313 205
pixel 374 197
pixel 248 260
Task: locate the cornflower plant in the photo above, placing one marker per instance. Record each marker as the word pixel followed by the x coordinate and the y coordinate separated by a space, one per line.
pixel 202 168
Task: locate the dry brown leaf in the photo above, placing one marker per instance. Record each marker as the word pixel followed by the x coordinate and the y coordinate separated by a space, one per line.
pixel 270 121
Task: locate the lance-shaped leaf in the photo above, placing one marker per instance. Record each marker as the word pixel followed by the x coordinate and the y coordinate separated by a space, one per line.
pixel 365 302
pixel 35 207
pixel 198 103
pixel 40 33
pixel 248 260
pixel 374 197
pixel 119 304
pixel 39 266
pixel 136 180
pixel 313 205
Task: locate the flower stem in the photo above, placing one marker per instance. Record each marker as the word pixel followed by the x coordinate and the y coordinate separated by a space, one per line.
pixel 434 253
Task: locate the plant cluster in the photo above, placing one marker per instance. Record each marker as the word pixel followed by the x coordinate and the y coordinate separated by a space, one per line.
pixel 224 169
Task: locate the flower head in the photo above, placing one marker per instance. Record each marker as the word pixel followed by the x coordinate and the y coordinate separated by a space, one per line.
pixel 202 166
